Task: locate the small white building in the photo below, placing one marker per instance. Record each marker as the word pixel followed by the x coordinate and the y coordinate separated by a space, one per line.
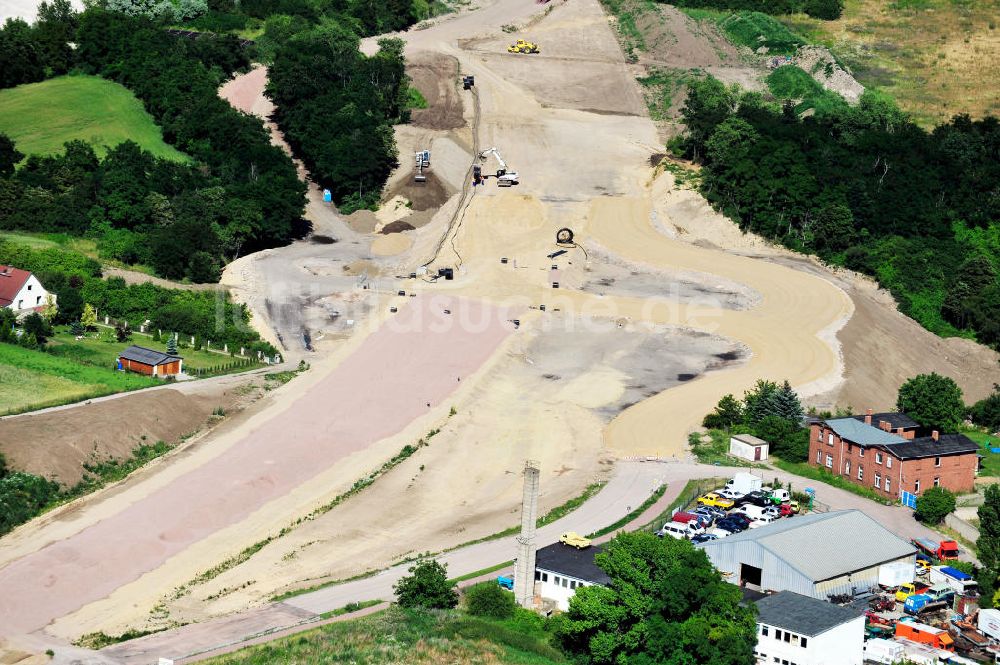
pixel 793 629
pixel 560 570
pixel 21 291
pixel 748 447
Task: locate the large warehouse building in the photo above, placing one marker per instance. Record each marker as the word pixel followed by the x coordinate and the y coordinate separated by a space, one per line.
pixel 814 555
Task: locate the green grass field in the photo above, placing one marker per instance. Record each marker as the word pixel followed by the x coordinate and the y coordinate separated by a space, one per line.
pixel 102 348
pixel 40 117
pixel 32 380
pixel 401 636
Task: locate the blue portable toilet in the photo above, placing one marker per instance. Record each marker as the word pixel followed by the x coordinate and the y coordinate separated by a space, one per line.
pixel 327 196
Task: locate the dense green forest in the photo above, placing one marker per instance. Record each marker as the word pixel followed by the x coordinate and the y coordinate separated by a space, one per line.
pixel 336 108
pixel 865 188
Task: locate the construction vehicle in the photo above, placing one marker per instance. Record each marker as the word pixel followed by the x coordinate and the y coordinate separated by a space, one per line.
pixel 522 46
pixel 423 161
pixel 505 178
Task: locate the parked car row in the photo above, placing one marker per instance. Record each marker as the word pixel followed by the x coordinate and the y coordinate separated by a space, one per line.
pixel 729 510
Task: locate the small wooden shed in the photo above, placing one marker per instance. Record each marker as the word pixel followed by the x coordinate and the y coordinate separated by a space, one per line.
pixel 150 362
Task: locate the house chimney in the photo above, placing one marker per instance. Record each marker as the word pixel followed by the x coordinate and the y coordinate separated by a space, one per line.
pixel 868 417
pixel 935 435
pixel 884 426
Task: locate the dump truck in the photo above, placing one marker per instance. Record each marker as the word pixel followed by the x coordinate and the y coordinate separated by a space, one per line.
pixel 924 634
pixel 910 589
pixel 945 550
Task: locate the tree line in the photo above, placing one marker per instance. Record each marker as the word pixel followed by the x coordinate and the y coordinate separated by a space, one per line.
pixel 76 281
pixel 866 188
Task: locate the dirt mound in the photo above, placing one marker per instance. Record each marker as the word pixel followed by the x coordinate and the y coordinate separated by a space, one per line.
pixel 57 444
pixel 436 76
pixel 397 227
pixel 362 221
pixel 422 195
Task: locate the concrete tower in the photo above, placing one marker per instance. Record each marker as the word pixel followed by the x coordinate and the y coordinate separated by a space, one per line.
pixel 524 568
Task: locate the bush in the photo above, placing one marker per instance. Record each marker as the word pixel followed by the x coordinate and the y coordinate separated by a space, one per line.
pixel 426 586
pixel 934 504
pixel 489 600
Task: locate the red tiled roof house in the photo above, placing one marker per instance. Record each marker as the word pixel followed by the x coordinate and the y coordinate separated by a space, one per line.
pixel 21 291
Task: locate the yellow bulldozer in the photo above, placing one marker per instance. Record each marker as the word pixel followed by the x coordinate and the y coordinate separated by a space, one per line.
pixel 522 46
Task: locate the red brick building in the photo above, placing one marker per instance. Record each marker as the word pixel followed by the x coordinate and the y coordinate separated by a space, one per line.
pixel 890 453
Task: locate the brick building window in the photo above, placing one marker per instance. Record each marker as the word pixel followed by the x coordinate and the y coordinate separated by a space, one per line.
pixel 861 473
pixel 819 434
pixel 916 487
pixel 819 456
pixel 847 467
pixel 878 481
pixel 829 461
pixel 937 482
pixel 829 439
pixel 888 462
pixel 878 458
pixel 937 461
pixel 861 451
pixel 887 481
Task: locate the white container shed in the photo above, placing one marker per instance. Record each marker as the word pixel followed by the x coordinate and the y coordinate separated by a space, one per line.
pixel 748 447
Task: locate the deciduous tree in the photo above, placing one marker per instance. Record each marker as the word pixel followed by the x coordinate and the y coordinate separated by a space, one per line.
pixel 933 401
pixel 426 586
pixel 665 604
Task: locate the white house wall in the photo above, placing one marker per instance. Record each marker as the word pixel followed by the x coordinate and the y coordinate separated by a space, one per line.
pixel 841 645
pixel 31 295
pixel 556 587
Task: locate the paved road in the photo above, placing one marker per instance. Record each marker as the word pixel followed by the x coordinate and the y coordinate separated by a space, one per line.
pixel 630 485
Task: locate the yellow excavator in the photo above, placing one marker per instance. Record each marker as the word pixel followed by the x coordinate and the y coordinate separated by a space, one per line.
pixel 522 46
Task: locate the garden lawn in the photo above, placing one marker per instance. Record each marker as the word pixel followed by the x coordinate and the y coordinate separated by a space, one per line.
pixel 102 349
pixel 40 117
pixel 32 380
pixel 991 461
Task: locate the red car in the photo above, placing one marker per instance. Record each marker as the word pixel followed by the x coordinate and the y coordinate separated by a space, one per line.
pixel 785 510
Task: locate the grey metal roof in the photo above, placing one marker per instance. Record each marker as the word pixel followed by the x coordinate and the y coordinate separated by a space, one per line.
pixel 894 419
pixel 146 356
pixel 822 546
pixel 802 614
pixel 857 432
pixel 947 444
pixel 569 561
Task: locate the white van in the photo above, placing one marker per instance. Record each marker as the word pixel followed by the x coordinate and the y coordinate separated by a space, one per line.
pixel 781 496
pixel 680 530
pixel 674 530
pixel 752 511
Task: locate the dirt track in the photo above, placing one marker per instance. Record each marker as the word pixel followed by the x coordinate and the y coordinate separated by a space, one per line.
pixel 576 131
